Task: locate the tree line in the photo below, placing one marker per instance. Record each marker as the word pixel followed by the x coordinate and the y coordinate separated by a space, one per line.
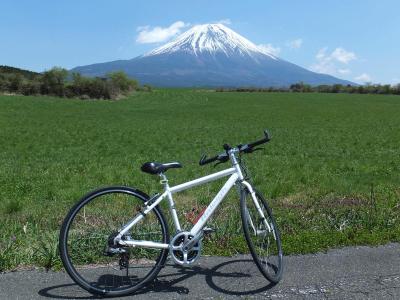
pixel 335 88
pixel 59 82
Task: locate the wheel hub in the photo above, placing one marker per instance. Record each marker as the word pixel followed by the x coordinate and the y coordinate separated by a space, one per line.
pixel 111 248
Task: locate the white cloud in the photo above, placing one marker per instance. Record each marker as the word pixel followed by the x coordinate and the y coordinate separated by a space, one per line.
pixel 268 48
pixel 327 62
pixel 322 67
pixel 224 21
pixel 344 71
pixel 321 53
pixel 324 63
pixel 158 34
pixel 343 56
pixel 364 77
pixel 295 44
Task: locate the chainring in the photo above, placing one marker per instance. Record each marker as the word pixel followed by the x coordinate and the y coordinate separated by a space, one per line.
pixel 179 253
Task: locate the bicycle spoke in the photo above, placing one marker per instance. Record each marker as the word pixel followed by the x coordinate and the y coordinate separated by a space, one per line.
pixel 91 249
pixel 261 236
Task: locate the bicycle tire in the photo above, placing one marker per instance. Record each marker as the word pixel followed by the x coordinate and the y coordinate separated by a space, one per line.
pixel 79 272
pixel 263 264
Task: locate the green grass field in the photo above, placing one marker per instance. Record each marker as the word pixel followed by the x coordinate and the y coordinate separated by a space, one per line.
pixel 331 171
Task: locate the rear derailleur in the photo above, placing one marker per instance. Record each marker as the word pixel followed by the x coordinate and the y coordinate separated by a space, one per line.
pixel 111 249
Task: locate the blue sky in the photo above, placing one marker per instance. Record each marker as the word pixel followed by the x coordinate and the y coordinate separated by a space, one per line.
pixel 355 40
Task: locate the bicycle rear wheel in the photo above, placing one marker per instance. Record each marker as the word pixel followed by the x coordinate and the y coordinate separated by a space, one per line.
pixel 262 236
pixel 85 248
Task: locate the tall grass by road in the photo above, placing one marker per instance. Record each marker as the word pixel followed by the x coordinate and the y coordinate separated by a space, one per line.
pixel 331 171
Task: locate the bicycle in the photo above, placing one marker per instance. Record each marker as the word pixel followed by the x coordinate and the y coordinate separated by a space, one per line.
pixel 109 253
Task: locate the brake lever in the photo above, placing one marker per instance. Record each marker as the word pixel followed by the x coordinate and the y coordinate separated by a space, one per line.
pixel 257 149
pixel 251 150
pixel 202 159
pixel 222 159
pixel 220 162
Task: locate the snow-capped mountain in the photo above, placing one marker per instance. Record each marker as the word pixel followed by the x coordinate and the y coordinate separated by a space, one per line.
pixel 210 55
pixel 211 38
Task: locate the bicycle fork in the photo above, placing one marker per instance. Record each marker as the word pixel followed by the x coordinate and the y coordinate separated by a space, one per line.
pixel 259 210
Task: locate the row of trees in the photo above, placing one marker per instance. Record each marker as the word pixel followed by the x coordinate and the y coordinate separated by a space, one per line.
pixel 335 88
pixel 58 82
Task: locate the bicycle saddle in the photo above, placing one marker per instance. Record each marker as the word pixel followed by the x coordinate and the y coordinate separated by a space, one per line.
pixel 157 168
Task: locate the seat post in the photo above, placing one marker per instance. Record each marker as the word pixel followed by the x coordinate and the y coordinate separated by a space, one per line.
pixel 164 180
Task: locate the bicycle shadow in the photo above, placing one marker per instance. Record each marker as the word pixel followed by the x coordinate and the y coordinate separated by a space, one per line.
pixel 177 280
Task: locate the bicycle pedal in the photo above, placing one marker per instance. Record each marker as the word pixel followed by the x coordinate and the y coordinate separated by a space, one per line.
pixel 208 230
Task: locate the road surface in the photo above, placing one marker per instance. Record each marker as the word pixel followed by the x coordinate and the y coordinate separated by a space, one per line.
pixel 348 273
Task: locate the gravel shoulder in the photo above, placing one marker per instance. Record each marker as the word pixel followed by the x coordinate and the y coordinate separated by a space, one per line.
pixel 347 273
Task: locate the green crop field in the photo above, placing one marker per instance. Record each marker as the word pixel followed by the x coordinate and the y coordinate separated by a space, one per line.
pixel 331 171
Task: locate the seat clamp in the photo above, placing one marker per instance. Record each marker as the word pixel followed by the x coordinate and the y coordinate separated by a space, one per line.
pixel 163 181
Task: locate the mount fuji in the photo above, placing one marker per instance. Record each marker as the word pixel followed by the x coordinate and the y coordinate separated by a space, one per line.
pixel 210 55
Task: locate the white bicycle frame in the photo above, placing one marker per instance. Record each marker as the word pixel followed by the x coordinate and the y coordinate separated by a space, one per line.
pixel 236 176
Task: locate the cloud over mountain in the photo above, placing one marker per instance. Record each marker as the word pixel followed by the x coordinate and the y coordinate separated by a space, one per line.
pixel 158 34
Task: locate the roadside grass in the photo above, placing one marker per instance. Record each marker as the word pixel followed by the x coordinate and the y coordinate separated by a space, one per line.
pixel 331 171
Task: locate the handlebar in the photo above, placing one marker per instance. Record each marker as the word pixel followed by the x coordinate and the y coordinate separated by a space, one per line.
pixel 246 148
pixel 266 139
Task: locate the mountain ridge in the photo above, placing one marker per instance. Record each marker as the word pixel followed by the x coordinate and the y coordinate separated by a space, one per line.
pixel 210 55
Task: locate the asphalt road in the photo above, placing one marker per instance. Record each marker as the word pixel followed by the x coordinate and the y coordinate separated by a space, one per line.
pixel 348 273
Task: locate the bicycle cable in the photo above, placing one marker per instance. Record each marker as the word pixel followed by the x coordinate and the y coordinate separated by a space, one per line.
pixel 243 166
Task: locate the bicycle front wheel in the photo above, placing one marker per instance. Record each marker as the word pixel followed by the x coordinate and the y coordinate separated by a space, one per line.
pixel 262 235
pixel 86 250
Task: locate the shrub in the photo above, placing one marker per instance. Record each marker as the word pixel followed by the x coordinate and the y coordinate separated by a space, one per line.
pixel 30 88
pixel 53 82
pixel 15 83
pixel 120 83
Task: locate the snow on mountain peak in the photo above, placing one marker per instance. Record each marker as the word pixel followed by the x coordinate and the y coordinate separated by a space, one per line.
pixel 211 38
